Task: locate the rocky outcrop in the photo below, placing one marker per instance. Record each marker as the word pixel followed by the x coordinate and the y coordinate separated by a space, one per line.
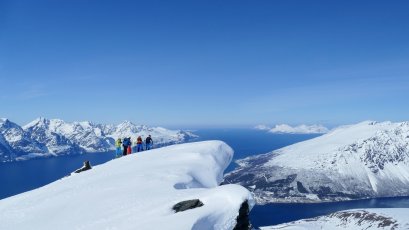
pixel 186 205
pixel 85 167
pixel 243 219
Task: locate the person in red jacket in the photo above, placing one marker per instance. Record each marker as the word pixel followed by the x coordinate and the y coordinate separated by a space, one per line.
pixel 139 144
pixel 129 150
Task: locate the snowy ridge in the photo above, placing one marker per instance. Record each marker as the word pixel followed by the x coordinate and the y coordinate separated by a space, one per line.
pixel 162 136
pixel 136 192
pixel 365 160
pixel 300 129
pixel 14 141
pixel 389 218
pixel 53 137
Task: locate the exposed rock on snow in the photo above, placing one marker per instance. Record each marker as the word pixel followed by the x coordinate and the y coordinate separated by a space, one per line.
pixel 365 160
pixel 186 205
pixel 243 219
pixel 85 167
pixel 136 191
pixel 392 219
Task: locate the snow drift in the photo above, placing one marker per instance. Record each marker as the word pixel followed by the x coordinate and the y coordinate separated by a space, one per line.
pixel 136 192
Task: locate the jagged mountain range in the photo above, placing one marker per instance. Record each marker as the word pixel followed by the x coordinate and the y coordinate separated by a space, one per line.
pixel 47 137
pixel 366 160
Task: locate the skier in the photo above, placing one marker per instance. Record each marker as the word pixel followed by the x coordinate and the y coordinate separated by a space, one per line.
pixel 139 144
pixel 125 144
pixel 129 150
pixel 149 143
pixel 118 144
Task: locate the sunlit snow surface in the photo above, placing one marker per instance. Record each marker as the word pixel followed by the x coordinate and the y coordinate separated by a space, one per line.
pixel 393 219
pixel 135 192
pixel 368 159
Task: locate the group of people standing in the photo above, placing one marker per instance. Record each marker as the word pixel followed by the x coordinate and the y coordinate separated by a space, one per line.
pixel 124 145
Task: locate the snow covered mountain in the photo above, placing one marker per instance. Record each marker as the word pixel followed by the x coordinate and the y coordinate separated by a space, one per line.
pixel 161 135
pixel 44 137
pixel 138 191
pixel 365 160
pixel 300 129
pixel 388 218
pixel 44 131
pixel 14 141
pixel 76 136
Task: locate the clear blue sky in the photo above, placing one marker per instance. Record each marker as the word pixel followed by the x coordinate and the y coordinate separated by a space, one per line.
pixel 197 63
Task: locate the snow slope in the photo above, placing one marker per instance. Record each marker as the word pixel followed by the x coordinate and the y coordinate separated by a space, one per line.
pixel 300 129
pixel 136 192
pixel 45 137
pixel 392 219
pixel 368 159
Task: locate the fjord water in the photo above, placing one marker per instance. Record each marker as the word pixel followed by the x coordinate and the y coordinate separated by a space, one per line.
pixel 22 176
pixel 248 142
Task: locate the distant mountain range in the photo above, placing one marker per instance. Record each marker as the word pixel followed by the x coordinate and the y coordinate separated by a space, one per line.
pixel 52 137
pixel 365 160
pixel 300 129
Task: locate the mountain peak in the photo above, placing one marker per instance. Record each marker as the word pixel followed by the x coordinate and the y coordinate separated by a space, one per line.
pixel 7 124
pixel 42 120
pixel 126 123
pixel 3 120
pixel 38 121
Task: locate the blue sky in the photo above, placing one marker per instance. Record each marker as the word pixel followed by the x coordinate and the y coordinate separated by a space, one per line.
pixel 204 63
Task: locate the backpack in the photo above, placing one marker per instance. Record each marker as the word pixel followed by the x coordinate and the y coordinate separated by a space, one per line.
pixel 126 142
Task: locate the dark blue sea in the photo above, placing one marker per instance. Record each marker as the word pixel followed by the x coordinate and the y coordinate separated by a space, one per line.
pixel 18 177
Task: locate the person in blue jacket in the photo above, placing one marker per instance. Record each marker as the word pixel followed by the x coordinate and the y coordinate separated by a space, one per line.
pixel 149 142
pixel 125 143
